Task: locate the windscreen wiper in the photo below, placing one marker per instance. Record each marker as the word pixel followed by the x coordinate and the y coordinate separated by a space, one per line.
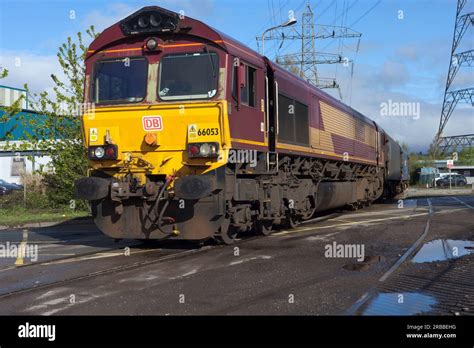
pixel 211 61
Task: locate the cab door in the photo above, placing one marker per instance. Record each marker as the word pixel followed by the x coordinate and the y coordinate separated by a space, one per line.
pixel 271 108
pixel 247 119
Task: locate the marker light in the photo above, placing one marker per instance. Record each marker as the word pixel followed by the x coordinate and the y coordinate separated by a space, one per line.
pixel 103 152
pixel 110 152
pixel 203 150
pixel 194 149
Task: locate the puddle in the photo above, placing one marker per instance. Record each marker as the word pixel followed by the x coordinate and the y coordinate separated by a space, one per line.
pixel 356 267
pixel 404 303
pixel 409 203
pixel 365 264
pixel 443 249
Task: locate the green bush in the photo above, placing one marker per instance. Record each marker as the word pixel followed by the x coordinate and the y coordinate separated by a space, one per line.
pixel 36 201
pixel 16 200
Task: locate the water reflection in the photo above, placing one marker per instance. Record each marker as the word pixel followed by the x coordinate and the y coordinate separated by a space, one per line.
pixel 404 303
pixel 443 249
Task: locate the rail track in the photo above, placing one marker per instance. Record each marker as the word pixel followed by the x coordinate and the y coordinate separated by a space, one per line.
pixel 450 287
pixel 125 267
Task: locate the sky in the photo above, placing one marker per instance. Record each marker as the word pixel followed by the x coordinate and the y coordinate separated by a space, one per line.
pixel 402 57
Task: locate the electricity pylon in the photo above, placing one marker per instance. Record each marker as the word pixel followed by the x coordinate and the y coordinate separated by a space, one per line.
pixel 452 97
pixel 307 59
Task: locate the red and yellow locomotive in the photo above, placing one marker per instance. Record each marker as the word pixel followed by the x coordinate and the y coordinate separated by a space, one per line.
pixel 195 136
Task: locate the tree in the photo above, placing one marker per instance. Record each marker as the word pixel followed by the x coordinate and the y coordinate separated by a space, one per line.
pixel 9 112
pixel 466 156
pixel 57 132
pixel 290 65
pixel 3 73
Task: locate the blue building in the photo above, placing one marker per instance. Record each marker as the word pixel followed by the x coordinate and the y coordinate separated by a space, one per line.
pixel 13 131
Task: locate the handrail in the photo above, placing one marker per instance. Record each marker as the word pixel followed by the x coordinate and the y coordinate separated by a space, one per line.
pixel 267 110
pixel 276 107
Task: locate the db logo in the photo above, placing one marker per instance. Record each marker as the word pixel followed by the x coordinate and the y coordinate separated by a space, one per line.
pixel 152 123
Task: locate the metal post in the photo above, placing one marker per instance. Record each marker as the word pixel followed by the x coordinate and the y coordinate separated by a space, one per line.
pixel 24 193
pixel 286 24
pixel 450 178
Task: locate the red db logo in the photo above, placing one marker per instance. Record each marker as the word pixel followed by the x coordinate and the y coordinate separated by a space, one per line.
pixel 152 123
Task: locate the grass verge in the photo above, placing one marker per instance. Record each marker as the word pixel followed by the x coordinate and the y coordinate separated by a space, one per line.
pixel 17 217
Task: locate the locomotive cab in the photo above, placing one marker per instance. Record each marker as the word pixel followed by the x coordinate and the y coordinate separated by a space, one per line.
pixel 157 131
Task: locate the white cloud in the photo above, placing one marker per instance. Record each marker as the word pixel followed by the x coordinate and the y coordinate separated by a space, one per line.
pixel 34 70
pixel 104 18
pixel 112 13
pixel 392 74
pixel 192 8
pixel 372 86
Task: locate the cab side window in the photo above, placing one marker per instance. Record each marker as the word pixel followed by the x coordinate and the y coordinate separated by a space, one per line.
pixel 248 90
pixel 293 121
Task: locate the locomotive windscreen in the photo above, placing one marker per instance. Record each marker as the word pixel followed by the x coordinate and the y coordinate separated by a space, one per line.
pixel 189 76
pixel 120 80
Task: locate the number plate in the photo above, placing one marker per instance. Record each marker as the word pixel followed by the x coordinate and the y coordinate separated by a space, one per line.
pixel 204 130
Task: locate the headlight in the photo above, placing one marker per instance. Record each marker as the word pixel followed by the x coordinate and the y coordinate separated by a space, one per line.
pixel 155 20
pixel 203 150
pixel 143 22
pixel 99 152
pixel 105 152
pixel 151 44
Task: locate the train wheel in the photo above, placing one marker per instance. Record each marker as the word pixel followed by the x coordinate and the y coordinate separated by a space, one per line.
pixel 264 228
pixel 291 221
pixel 352 206
pixel 226 234
pixel 310 208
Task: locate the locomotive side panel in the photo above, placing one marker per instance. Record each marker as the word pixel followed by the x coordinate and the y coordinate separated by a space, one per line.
pixel 335 131
pixel 346 135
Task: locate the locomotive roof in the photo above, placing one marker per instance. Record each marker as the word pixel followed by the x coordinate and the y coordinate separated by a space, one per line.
pixel 187 28
pixel 190 28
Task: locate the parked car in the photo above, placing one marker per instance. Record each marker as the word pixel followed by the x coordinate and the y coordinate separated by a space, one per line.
pixel 456 180
pixel 10 186
pixel 440 176
pixel 4 190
